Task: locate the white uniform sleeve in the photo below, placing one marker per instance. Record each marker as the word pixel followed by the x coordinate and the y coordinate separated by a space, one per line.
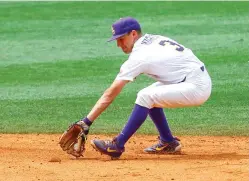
pixel 131 69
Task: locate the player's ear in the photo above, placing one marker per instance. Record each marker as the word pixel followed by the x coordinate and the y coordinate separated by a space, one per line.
pixel 134 32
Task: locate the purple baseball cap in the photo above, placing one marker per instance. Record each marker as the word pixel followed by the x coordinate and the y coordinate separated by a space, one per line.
pixel 124 26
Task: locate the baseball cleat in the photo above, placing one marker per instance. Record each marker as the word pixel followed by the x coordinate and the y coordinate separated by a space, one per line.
pixel 165 147
pixel 107 147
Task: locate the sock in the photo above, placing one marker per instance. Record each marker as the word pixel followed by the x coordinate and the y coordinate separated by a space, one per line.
pixel 137 117
pixel 159 119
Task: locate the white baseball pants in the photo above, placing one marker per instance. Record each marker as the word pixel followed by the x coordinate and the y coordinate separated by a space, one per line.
pixel 194 91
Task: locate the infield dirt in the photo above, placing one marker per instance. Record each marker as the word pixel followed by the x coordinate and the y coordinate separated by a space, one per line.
pixel 39 157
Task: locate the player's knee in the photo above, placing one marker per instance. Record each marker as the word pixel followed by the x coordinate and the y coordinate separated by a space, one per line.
pixel 144 99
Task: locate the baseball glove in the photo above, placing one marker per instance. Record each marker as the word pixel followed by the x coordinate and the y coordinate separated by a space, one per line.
pixel 74 138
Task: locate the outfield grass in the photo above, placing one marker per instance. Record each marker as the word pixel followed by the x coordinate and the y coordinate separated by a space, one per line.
pixel 55 63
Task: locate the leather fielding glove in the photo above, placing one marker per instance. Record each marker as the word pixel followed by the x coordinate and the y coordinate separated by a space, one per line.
pixel 74 138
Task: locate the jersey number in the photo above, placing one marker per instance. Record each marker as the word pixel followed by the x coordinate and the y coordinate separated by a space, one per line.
pixel 178 47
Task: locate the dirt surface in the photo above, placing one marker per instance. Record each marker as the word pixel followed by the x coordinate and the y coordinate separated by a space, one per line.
pixel 38 157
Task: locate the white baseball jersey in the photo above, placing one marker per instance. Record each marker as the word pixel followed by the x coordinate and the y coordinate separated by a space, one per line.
pixel 181 79
pixel 161 58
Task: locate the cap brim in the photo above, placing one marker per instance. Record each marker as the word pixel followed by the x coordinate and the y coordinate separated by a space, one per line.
pixel 115 37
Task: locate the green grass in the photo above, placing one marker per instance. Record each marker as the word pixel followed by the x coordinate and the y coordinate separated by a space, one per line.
pixel 55 63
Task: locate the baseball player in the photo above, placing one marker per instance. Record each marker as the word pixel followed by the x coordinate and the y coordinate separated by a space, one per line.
pixel 181 81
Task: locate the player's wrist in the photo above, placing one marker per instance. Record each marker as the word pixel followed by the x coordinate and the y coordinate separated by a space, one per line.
pixel 87 121
pixel 85 124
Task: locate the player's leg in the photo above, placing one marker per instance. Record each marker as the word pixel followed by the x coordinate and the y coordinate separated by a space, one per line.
pixel 169 96
pixel 193 92
pixel 172 96
pixel 158 117
pixel 115 147
pixel 167 143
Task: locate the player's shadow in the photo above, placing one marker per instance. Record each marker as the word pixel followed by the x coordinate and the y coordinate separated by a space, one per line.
pixel 187 156
pixel 164 157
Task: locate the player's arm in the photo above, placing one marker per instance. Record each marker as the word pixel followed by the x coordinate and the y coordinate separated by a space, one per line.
pixel 106 99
